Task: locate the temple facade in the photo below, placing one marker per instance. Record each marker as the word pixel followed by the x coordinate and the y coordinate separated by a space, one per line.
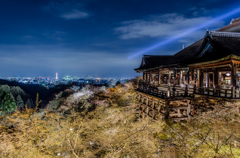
pixel 207 66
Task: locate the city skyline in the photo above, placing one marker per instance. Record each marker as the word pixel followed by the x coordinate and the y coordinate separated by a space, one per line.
pixel 96 37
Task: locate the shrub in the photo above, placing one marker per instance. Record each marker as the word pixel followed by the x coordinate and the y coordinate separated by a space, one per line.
pixel 7 103
pixel 64 94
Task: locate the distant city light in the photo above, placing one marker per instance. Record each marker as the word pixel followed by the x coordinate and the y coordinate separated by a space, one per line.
pixel 233 12
pixel 56 76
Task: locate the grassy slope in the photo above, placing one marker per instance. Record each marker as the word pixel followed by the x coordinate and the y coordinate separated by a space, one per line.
pixel 112 129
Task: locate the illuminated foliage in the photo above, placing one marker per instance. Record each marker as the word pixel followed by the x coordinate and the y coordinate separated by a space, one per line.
pixel 7 103
pixel 113 129
pixel 19 102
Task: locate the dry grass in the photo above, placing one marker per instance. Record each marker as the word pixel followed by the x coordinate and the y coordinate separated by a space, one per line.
pixel 113 130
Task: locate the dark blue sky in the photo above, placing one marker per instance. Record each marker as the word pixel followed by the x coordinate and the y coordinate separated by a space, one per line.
pixel 96 37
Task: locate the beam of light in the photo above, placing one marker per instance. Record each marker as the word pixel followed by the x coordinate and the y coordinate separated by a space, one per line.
pixel 235 11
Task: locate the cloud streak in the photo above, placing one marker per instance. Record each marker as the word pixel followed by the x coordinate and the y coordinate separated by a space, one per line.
pixel 167 25
pixel 69 10
pixel 75 14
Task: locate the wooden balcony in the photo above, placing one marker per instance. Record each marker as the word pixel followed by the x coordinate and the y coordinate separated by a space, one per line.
pixel 164 91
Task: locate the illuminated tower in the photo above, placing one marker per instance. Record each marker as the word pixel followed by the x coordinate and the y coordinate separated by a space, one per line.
pixel 56 76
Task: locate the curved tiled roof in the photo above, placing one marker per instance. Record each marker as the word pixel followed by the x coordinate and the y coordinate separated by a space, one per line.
pixel 224 41
pixel 234 27
pixel 216 46
pixel 189 52
pixel 152 61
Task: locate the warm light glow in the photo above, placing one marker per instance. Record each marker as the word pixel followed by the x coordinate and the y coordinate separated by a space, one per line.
pixel 228 74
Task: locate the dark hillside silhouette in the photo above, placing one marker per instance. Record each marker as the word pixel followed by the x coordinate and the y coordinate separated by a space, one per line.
pixel 31 90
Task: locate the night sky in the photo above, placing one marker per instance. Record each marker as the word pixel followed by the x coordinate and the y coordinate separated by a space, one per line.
pixel 96 37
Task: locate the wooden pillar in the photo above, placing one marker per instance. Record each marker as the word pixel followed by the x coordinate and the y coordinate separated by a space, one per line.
pixel 201 78
pixel 180 77
pixel 144 76
pixel 153 111
pixel 207 79
pixel 174 75
pixel 169 77
pixel 192 73
pixel 215 78
pixel 233 76
pixel 146 73
pixel 220 76
pixel 159 77
pixel 150 76
pixel 187 77
pixel 198 78
pixel 220 80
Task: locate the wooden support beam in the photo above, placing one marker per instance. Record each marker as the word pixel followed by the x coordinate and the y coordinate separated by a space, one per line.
pixel 192 74
pixel 169 77
pixel 198 78
pixel 187 77
pixel 179 119
pixel 181 107
pixel 179 113
pixel 174 75
pixel 159 77
pixel 201 78
pixel 207 80
pixel 188 110
pixel 215 78
pixel 150 76
pixel 233 76
pixel 180 77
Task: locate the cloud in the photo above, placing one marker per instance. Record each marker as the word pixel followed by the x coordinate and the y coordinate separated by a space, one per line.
pixel 57 35
pixel 165 26
pixel 75 14
pixel 67 10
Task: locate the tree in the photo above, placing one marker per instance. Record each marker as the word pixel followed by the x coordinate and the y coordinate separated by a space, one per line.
pixel 7 103
pixel 17 91
pixel 12 97
pixel 19 102
pixel 30 103
pixel 118 83
pixel 5 88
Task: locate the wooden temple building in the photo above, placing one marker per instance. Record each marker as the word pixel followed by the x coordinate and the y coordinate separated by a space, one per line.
pixel 210 66
pixel 189 82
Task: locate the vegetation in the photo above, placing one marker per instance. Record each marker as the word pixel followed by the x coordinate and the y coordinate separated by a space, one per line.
pixel 19 102
pixel 111 128
pixel 7 103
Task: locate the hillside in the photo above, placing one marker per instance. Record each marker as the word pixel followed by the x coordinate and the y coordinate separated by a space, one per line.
pixel 32 89
pixel 106 124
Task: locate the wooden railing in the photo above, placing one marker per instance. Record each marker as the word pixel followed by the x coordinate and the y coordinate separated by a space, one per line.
pixel 153 91
pixel 216 92
pixel 189 92
pixel 163 93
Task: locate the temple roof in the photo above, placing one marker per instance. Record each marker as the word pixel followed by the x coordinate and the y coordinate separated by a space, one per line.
pixel 218 45
pixel 214 45
pixel 152 61
pixel 232 27
pixel 185 54
pixel 189 52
